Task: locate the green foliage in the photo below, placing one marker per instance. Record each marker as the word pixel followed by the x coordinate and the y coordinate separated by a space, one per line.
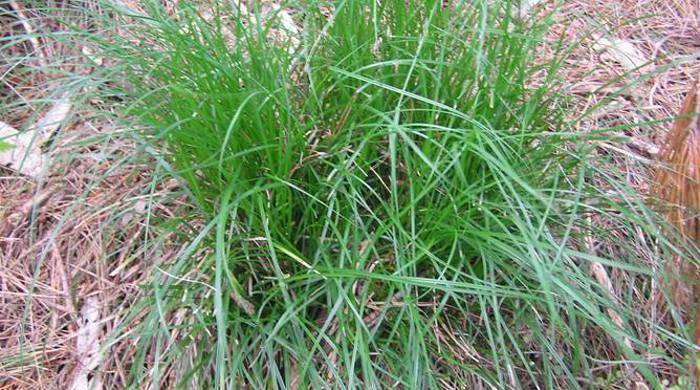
pixel 405 163
pixel 4 146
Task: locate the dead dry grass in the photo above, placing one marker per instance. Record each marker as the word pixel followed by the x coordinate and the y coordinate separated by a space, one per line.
pixel 71 238
pixel 79 233
pixel 665 35
pixel 75 238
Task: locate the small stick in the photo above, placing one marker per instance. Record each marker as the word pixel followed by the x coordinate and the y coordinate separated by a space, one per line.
pixel 33 40
pixel 34 203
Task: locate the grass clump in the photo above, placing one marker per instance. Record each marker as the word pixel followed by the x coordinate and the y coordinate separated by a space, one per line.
pixel 389 195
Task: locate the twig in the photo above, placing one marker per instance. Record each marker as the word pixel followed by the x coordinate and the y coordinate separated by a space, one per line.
pixel 65 285
pixel 34 203
pixel 33 40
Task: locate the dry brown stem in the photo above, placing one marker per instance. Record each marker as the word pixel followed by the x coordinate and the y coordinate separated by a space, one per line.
pixel 678 184
pixel 31 32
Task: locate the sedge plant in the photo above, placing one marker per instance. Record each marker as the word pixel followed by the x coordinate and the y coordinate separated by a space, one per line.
pixel 382 193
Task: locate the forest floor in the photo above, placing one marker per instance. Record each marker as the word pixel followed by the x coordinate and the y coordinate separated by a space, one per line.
pixel 69 241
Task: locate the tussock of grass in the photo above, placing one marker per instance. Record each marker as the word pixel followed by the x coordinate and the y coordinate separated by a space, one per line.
pixel 374 202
